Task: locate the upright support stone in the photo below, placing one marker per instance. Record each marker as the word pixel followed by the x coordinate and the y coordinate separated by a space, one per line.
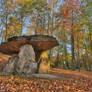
pixel 9 66
pixel 24 63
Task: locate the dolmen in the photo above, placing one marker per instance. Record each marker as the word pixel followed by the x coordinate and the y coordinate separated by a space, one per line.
pixel 25 52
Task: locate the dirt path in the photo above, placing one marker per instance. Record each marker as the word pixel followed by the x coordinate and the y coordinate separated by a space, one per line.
pixel 82 73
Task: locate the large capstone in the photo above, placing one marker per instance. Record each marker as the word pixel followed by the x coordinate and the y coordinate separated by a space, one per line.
pixel 23 63
pixel 40 43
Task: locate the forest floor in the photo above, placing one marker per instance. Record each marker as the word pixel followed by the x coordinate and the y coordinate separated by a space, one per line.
pixel 68 81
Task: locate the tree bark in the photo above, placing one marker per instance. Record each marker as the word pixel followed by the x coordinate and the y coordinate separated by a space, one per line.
pixel 72 45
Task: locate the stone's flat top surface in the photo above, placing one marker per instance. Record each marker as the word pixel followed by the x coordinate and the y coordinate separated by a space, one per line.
pixel 33 37
pixel 39 43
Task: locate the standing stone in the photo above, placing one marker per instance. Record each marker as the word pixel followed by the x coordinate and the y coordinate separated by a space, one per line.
pixel 26 63
pixel 9 66
pixel 23 63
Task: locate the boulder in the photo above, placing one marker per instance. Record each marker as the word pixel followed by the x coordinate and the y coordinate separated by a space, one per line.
pixel 26 63
pixel 9 66
pixel 23 63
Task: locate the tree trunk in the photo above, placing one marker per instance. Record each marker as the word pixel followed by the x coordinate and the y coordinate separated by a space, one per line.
pixel 72 51
pixel 72 45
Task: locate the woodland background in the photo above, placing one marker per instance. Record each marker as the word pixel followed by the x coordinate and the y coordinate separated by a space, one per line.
pixel 70 21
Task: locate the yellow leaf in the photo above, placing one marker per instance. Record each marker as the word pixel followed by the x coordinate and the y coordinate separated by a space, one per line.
pixel 27 0
pixel 44 67
pixel 44 55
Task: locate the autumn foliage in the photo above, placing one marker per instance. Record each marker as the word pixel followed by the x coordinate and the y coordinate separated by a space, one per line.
pixel 67 83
